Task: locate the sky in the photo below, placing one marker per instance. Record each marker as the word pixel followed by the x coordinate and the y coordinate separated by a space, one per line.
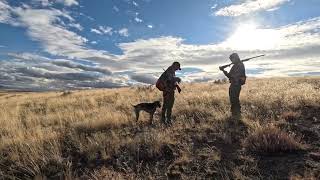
pixel 77 44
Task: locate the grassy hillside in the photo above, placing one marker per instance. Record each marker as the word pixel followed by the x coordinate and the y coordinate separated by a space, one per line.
pixel 92 134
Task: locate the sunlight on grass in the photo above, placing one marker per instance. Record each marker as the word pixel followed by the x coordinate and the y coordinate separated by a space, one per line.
pixel 93 134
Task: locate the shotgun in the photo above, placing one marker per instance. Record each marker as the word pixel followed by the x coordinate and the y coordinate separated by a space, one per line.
pixel 244 60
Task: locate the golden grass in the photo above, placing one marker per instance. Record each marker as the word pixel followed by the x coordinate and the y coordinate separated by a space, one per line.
pixel 59 134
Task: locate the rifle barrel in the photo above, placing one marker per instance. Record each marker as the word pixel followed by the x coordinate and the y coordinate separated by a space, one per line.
pixel 252 58
pixel 244 60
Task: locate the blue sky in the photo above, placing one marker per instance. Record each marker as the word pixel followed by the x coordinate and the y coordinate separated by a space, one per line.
pixel 57 44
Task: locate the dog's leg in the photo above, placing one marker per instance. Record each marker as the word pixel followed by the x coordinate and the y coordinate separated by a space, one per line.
pixel 151 117
pixel 137 114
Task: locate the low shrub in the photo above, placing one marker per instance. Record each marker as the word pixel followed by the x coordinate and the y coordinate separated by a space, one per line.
pixel 270 139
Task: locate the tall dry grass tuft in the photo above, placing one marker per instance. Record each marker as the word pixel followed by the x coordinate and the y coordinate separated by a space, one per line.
pixel 271 140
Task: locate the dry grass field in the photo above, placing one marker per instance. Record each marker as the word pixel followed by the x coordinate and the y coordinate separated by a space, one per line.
pixel 92 134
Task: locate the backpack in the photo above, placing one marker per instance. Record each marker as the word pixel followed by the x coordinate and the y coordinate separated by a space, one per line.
pixel 243 80
pixel 161 84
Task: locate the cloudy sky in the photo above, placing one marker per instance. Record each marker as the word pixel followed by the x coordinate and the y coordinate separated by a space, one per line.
pixel 58 44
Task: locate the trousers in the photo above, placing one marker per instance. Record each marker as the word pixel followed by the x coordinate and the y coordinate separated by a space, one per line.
pixel 168 101
pixel 234 94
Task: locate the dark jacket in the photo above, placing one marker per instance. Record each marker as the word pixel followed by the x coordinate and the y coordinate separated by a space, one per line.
pixel 170 79
pixel 237 74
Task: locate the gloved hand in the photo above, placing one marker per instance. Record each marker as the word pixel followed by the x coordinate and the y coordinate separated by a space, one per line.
pixel 178 80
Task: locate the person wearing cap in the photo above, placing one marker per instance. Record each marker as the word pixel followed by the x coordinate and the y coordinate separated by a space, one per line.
pixel 170 85
pixel 237 78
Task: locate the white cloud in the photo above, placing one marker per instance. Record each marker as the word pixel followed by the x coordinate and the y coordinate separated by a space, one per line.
pixel 102 30
pixel 42 25
pixel 124 32
pixel 249 6
pixel 94 42
pixel 273 9
pixel 68 2
pixel 50 2
pixel 28 56
pixel 5 15
pixel 42 2
pixel 115 8
pixel 150 26
pixel 135 4
pixel 285 46
pixel 106 30
pixel 34 72
pixel 214 6
pixel 144 78
pixel 296 35
pixel 48 26
pixel 152 55
pixel 69 65
pixel 298 42
pixel 95 31
pixel 138 19
pixel 76 25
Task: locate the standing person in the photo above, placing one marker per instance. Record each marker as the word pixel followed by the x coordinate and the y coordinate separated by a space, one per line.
pixel 237 78
pixel 168 83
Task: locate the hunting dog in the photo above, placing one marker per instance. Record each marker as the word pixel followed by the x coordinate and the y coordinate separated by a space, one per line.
pixel 147 107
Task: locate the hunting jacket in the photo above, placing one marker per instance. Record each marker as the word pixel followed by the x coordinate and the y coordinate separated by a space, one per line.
pixel 236 73
pixel 170 79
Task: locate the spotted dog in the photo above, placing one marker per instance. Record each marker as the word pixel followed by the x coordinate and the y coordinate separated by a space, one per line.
pixel 147 107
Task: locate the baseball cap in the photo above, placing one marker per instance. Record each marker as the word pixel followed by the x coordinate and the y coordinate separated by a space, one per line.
pixel 176 64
